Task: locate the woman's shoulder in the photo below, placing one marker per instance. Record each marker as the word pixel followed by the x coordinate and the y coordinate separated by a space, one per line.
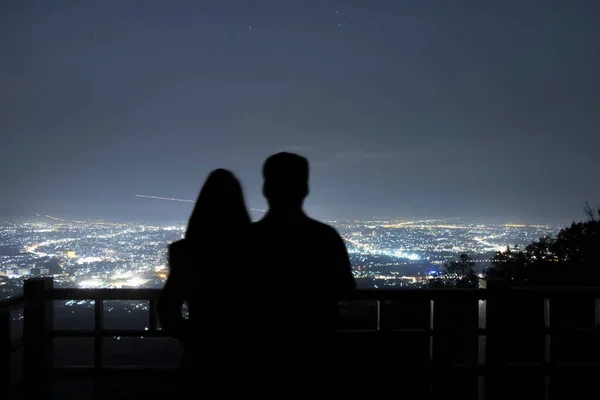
pixel 178 245
pixel 178 253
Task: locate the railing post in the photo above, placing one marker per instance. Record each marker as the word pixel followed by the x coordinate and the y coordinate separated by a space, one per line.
pixel 98 337
pixel 455 319
pixel 379 312
pixel 98 346
pixel 37 334
pixel 496 314
pixel 5 352
pixel 495 324
pixel 152 316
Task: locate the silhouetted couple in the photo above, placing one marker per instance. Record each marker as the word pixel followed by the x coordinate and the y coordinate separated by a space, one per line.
pixel 263 296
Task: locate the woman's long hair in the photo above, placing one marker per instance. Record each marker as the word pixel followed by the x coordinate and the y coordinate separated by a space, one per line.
pixel 220 206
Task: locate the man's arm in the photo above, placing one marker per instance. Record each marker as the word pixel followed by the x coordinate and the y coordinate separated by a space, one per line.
pixel 344 282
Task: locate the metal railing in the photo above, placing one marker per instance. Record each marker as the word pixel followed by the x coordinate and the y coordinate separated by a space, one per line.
pixel 523 329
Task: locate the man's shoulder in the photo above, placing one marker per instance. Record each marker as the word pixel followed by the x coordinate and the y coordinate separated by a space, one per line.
pixel 306 224
pixel 322 228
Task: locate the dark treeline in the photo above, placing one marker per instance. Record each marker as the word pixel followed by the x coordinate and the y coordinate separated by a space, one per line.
pixel 572 258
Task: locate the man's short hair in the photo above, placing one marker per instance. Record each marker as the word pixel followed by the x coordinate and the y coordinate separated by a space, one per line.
pixel 286 175
pixel 286 166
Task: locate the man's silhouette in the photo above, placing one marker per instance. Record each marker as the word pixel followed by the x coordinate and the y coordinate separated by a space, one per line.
pixel 302 264
pixel 300 269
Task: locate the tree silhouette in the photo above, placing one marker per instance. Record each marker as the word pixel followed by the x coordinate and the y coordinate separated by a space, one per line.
pixel 570 258
pixel 508 265
pixel 458 273
pixel 592 213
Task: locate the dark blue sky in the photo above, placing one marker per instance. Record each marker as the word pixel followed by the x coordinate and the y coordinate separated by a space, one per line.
pixel 405 108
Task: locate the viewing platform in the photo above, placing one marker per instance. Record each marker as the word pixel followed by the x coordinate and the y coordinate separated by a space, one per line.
pixel 466 343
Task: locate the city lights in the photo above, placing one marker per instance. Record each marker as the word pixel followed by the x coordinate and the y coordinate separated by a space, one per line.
pixel 132 255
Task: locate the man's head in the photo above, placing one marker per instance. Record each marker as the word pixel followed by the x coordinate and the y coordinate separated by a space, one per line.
pixel 285 179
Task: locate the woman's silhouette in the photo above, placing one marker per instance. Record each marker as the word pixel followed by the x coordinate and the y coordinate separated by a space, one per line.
pixel 200 268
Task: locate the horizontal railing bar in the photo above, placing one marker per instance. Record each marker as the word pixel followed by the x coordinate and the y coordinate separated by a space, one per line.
pixel 557 330
pixel 546 368
pixel 479 331
pixel 572 364
pixel 78 372
pixel 103 294
pixel 133 371
pixel 556 289
pixel 361 295
pixel 140 332
pixel 424 331
pixel 66 333
pixel 12 303
pixel 73 333
pixel 83 333
pixel 524 365
pixel 424 294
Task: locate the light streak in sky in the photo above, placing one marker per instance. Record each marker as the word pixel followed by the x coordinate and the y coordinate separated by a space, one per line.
pixel 164 198
pixel 181 200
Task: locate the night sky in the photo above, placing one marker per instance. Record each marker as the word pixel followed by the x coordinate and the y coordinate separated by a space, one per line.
pixel 409 109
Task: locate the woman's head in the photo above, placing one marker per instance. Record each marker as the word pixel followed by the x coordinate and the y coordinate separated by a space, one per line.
pixel 220 204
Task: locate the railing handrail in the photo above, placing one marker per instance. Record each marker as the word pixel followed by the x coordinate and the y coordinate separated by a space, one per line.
pixel 18 301
pixel 103 294
pixel 362 294
pixel 154 294
pixel 12 303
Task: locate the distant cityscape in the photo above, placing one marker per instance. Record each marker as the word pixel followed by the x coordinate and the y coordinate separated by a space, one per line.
pixel 97 254
pixel 100 254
